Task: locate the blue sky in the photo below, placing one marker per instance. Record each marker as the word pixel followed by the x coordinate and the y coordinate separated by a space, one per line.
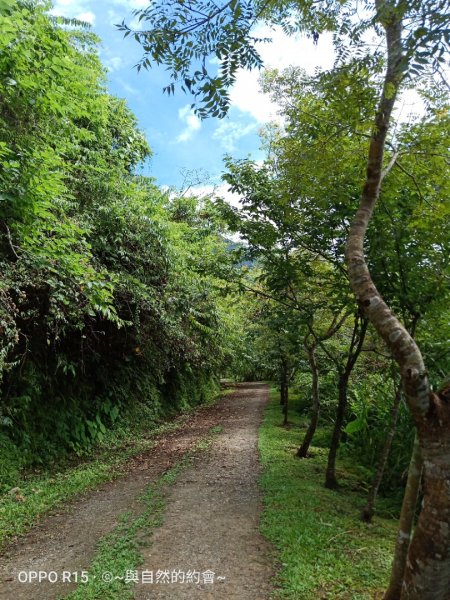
pixel 180 142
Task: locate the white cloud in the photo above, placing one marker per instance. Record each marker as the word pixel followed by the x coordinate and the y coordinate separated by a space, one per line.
pixel 78 9
pixel 221 190
pixel 282 52
pixel 88 17
pixel 409 106
pixel 297 50
pixel 247 97
pixel 193 123
pixel 228 132
pixel 114 63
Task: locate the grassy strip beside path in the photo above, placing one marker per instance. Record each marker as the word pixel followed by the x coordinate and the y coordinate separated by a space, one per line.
pixel 325 551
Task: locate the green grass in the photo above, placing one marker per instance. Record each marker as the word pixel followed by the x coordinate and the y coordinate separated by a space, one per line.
pixel 120 551
pixel 324 550
pixel 41 492
pixel 217 429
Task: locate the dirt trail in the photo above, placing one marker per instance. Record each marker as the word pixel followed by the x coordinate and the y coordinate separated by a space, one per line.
pixel 211 520
pixel 211 523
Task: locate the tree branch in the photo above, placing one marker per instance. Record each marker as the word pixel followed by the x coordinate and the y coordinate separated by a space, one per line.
pixel 11 245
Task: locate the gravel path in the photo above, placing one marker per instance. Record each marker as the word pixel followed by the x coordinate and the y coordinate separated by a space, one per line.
pixel 211 521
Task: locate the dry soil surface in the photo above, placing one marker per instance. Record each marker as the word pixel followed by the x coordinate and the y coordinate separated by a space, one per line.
pixel 209 545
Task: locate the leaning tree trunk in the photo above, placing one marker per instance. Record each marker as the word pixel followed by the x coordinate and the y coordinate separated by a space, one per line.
pixel 427 572
pixel 369 509
pixel 406 524
pixel 312 359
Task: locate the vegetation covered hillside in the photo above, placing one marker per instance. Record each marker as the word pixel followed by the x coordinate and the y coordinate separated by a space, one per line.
pixel 108 290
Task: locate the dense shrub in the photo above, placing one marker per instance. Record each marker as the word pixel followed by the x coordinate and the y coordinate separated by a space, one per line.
pixel 108 296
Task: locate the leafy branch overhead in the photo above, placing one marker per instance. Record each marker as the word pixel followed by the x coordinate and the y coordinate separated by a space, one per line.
pixel 186 35
pixel 203 43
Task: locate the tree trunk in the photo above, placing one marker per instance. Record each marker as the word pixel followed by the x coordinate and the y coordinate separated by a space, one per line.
pixel 285 403
pixel 312 359
pixel 369 509
pixel 284 400
pixel 427 572
pixel 406 523
pixel 358 335
pixel 330 478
